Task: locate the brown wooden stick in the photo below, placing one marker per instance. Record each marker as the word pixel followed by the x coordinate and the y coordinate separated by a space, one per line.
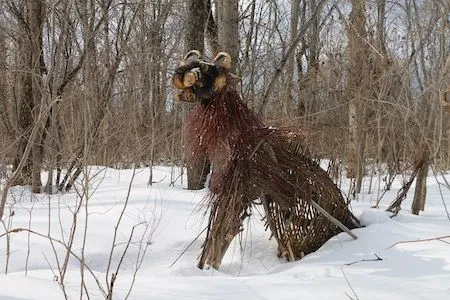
pixel 333 219
pixel 291 253
pixel 418 241
pixel 265 199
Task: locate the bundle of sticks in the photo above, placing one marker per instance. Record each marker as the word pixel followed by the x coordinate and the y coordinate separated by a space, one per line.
pixel 254 164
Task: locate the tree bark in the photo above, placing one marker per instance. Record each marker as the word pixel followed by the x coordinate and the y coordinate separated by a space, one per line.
pixel 445 103
pixel 31 58
pixel 195 25
pixel 37 69
pixel 4 106
pixel 289 102
pixel 25 107
pixel 195 39
pixel 358 53
pixel 228 22
pixel 212 30
pixel 420 192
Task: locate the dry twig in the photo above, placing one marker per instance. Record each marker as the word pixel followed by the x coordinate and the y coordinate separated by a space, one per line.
pixel 439 238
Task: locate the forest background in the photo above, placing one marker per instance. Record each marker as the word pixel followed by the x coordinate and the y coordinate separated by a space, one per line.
pixel 88 82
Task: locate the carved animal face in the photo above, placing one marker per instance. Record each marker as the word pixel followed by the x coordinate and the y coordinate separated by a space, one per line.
pixel 201 80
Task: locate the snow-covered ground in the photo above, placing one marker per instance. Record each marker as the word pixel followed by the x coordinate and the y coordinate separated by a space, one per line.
pixel 166 219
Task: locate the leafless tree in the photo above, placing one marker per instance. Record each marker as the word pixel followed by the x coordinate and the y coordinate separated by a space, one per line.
pixel 365 85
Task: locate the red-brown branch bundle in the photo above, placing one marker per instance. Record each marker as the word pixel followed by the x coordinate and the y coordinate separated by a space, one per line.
pixel 252 161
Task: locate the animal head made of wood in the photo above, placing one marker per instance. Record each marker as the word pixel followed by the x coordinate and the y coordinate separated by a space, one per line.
pixel 200 80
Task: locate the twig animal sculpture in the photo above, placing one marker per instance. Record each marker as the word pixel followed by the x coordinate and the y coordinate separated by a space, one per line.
pixel 254 164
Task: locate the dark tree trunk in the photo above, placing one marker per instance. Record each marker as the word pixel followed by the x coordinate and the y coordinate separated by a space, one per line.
pixel 420 192
pixel 212 30
pixel 30 92
pixel 197 174
pixel 37 69
pixel 196 24
pixel 358 53
pixel 228 22
pixel 195 38
pixel 25 118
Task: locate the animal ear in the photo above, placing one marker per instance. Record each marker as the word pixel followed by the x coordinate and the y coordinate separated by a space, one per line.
pixel 191 55
pixel 220 82
pixel 223 60
pixel 223 79
pixel 184 81
pixel 178 81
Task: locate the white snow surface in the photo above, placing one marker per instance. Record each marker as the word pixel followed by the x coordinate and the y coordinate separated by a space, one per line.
pixel 387 261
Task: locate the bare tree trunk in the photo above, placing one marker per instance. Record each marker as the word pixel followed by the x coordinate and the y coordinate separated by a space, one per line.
pixel 358 53
pixel 37 69
pixel 308 82
pixel 5 113
pixel 52 145
pixel 212 30
pixel 446 106
pixel 195 39
pixel 31 19
pixel 197 174
pixel 196 23
pixel 228 22
pixel 420 192
pixel 381 31
pixel 290 65
pixel 25 108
